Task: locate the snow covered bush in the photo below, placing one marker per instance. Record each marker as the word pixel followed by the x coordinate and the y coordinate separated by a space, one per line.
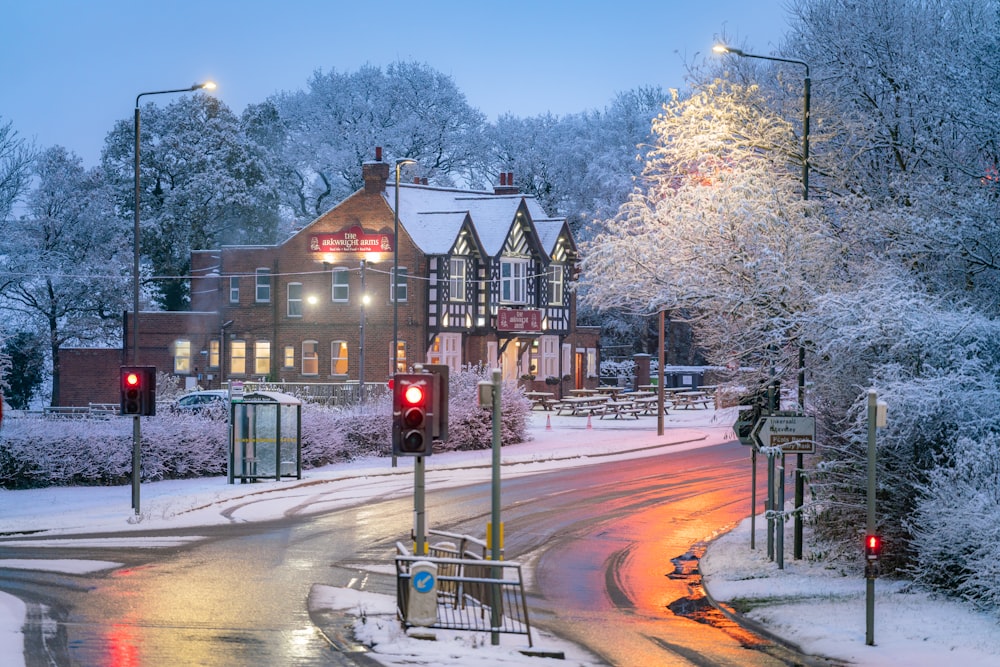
pixel 470 426
pixel 937 366
pixel 335 434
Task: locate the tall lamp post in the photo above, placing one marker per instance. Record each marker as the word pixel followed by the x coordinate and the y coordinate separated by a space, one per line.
pixel 136 435
pixel 395 266
pixel 806 91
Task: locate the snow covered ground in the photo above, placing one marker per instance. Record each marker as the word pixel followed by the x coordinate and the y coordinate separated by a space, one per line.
pixel 808 604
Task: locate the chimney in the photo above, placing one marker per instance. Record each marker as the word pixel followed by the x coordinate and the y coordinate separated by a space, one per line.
pixel 375 173
pixel 506 186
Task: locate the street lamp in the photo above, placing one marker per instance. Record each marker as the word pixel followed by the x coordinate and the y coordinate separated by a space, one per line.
pixel 395 267
pixel 361 356
pixel 136 435
pixel 207 85
pixel 722 48
pixel 799 483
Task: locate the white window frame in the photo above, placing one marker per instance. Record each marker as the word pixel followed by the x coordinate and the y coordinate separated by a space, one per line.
pixel 513 280
pixel 234 358
pixel 548 348
pixel 182 356
pixel 343 286
pixel 310 355
pixel 400 288
pixel 214 346
pixel 339 352
pixel 557 275
pixel 262 357
pixel 262 286
pixel 234 289
pixel 294 307
pixel 457 279
pixel 288 357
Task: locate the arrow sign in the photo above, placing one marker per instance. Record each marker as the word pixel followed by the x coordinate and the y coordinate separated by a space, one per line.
pixel 794 434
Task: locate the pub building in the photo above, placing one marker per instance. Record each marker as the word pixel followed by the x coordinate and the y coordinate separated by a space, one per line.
pixel 483 278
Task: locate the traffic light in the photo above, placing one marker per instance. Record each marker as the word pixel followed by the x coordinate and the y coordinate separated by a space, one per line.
pixel 873 547
pixel 412 414
pixel 138 390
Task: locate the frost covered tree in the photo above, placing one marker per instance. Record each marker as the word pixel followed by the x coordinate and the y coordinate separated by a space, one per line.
pixel 64 261
pixel 203 183
pixel 717 233
pixel 324 132
pixel 15 167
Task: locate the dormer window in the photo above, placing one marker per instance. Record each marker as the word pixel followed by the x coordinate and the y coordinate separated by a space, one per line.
pixel 513 280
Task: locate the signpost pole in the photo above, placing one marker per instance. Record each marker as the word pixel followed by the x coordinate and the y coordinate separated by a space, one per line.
pixel 753 498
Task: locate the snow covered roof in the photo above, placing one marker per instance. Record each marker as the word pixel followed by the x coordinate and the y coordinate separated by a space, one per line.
pixel 434 216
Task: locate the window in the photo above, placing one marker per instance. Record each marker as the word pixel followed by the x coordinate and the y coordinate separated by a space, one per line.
pixel 213 353
pixel 234 289
pixel 295 299
pixel 263 285
pixel 310 357
pixel 238 357
pixel 456 283
pixel 550 356
pixel 341 291
pixel 400 361
pixel 556 284
pixel 400 283
pixel 182 356
pixel 288 357
pixel 262 357
pixel 513 280
pixel 338 357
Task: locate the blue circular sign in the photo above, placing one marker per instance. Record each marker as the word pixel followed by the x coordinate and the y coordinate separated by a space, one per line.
pixel 423 582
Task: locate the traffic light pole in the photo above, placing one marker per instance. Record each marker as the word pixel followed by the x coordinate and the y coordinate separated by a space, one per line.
pixel 496 529
pixel 419 513
pixel 870 578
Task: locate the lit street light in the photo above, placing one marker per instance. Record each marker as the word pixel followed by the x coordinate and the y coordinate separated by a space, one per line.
pixel 136 437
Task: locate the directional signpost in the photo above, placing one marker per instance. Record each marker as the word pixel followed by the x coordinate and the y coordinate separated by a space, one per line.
pixel 794 434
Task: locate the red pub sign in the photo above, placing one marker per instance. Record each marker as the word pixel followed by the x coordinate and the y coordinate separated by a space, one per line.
pixel 509 319
pixel 354 239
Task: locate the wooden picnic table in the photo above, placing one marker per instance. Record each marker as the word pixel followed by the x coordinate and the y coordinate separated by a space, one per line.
pixel 648 404
pixel 692 399
pixel 620 409
pixel 609 390
pixel 579 405
pixel 541 399
pixel 583 392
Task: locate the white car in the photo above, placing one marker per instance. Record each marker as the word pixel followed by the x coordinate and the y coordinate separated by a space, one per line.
pixel 211 401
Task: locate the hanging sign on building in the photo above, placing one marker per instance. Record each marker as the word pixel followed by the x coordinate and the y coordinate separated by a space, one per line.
pixel 510 319
pixel 353 239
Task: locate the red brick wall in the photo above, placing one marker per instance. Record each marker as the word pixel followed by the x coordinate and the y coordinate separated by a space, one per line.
pixel 89 376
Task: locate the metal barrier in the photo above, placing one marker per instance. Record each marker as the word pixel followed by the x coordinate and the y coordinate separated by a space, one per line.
pixel 472 593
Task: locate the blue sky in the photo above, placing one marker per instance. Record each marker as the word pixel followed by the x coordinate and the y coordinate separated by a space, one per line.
pixel 70 68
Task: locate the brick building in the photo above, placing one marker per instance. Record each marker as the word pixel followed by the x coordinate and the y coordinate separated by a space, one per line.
pixel 483 278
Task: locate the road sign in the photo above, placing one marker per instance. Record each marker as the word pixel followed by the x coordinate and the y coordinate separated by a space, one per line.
pixel 795 434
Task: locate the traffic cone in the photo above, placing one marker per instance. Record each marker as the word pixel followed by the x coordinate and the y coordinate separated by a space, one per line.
pixel 588 421
pixel 548 422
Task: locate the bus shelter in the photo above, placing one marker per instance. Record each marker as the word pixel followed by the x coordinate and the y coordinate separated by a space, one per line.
pixel 265 438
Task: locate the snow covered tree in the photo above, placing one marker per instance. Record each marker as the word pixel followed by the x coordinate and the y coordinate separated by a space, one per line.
pixel 64 262
pixel 718 232
pixel 203 183
pixel 25 372
pixel 326 131
pixel 15 168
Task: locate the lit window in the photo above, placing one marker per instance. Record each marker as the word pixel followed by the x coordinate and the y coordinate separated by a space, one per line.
pixel 234 289
pixel 295 299
pixel 262 357
pixel 338 357
pixel 182 356
pixel 310 357
pixel 288 357
pixel 263 285
pixel 238 357
pixel 341 290
pixel 401 356
pixel 399 281
pixel 456 281
pixel 213 353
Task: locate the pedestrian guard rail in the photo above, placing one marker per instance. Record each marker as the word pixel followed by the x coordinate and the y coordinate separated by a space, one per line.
pixel 473 593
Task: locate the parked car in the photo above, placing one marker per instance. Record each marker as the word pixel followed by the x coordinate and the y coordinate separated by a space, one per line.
pixel 213 402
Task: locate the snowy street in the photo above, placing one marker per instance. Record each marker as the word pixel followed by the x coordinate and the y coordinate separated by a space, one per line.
pixel 818 609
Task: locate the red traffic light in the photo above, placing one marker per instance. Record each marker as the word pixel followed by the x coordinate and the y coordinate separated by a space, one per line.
pixel 413 395
pixel 873 547
pixel 132 380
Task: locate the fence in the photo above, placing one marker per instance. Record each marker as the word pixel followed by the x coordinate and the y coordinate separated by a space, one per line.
pixel 472 593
